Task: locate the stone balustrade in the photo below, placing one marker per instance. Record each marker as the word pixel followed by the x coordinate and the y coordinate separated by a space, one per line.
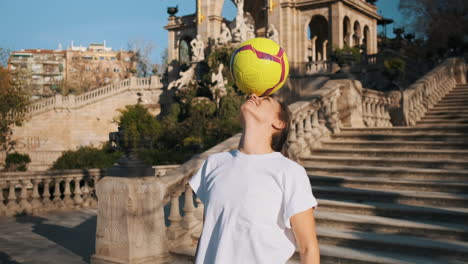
pixel 72 101
pixel 317 67
pixel 430 88
pixel 375 106
pixel 35 192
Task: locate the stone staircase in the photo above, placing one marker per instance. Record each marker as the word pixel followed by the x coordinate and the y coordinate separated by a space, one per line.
pixel 395 195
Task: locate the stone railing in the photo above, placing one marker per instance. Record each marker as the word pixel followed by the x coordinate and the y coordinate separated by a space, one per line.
pixel 316 67
pixel 35 192
pixel 375 106
pixel 430 88
pixel 72 101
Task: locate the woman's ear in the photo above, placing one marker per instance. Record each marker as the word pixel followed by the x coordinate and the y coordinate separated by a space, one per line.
pixel 278 124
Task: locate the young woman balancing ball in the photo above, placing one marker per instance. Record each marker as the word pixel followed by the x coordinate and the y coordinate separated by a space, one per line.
pixel 258 203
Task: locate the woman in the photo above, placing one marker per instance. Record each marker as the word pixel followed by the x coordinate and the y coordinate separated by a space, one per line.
pixel 258 203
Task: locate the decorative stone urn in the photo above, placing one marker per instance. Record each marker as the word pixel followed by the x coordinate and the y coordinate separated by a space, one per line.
pixel 130 223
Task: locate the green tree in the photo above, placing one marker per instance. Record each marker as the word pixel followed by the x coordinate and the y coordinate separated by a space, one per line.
pixel 16 162
pixel 441 22
pixel 87 157
pixel 138 125
pixel 14 101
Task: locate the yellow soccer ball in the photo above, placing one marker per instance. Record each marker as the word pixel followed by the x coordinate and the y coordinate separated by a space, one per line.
pixel 259 66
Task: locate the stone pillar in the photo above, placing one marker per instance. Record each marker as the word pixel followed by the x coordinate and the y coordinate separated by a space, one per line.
pixel 350 103
pixel 324 49
pixel 130 224
pixel 314 49
pixel 336 25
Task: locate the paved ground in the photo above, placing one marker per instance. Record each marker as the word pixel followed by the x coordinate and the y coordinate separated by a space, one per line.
pixel 58 237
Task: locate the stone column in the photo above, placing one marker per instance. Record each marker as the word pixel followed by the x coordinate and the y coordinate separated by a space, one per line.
pixel 130 224
pixel 314 48
pixel 324 49
pixel 335 24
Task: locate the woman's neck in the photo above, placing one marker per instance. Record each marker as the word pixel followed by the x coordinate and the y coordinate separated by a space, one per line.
pixel 256 141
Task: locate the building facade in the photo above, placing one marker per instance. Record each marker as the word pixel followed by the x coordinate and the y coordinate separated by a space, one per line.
pixel 76 69
pixel 308 30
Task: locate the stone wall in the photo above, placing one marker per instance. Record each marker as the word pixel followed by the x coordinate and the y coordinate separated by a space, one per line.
pixel 67 122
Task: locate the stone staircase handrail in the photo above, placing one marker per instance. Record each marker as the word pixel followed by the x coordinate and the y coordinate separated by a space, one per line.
pixel 76 101
pixel 430 88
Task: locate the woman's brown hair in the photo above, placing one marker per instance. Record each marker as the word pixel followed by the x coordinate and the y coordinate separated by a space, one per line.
pixel 279 139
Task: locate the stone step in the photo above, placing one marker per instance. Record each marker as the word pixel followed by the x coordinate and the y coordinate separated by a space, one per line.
pixel 386 225
pixel 329 254
pixel 429 121
pixel 394 153
pixel 447 128
pixel 446 111
pixel 454 107
pixel 421 136
pixel 333 254
pixel 449 164
pixel 366 144
pixel 390 184
pixel 391 196
pixel 451 104
pixel 454 99
pixel 435 214
pixel 444 251
pixel 448 116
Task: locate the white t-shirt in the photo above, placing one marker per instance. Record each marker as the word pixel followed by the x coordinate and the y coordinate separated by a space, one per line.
pixel 248 201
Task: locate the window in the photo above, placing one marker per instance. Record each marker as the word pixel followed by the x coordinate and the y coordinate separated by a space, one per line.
pixel 116 69
pixel 101 58
pixel 87 58
pixel 113 58
pixel 107 69
pixel 127 59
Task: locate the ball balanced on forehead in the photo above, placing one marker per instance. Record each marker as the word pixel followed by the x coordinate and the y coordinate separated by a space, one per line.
pixel 259 66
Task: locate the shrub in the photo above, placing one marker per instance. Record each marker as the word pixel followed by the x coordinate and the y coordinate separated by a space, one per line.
pixel 87 157
pixel 16 161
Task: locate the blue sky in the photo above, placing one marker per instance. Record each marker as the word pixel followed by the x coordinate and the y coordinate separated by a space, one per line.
pixel 46 23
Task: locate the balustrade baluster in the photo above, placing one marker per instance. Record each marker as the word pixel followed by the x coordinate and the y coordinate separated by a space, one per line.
pixel 322 121
pixel 292 139
pixel 12 204
pixel 86 192
pixel 189 218
pixel 77 191
pixel 36 203
pixel 57 199
pixel 175 228
pixel 308 125
pixel 25 206
pixel 315 124
pixel 300 129
pixel 199 210
pixel 66 194
pixel 46 196
pixel 3 208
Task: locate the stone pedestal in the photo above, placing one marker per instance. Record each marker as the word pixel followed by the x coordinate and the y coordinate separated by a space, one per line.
pixel 350 103
pixel 130 223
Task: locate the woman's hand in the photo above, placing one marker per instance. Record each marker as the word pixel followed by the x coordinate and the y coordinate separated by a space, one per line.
pixel 303 225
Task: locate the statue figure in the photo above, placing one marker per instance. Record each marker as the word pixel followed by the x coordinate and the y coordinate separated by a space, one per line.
pixel 239 33
pixel 250 32
pixel 225 36
pixel 273 33
pixel 197 49
pixel 185 78
pixel 218 89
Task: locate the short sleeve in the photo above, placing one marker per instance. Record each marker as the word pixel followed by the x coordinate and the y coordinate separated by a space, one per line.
pixel 297 193
pixel 198 181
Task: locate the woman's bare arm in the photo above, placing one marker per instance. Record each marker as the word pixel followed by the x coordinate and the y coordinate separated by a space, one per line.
pixel 303 225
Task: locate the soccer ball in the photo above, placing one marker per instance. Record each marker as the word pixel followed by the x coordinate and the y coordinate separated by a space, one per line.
pixel 259 66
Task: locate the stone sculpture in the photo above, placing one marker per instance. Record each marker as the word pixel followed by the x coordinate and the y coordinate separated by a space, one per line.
pixel 185 78
pixel 225 36
pixel 273 33
pixel 197 49
pixel 218 90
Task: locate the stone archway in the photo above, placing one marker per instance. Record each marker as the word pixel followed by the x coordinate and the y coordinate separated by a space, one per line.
pixel 318 39
pixel 366 40
pixel 185 52
pixel 347 31
pixel 357 34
